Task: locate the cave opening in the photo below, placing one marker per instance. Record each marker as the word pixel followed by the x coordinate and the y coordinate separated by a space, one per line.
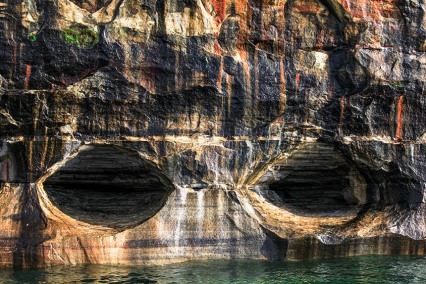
pixel 317 180
pixel 108 186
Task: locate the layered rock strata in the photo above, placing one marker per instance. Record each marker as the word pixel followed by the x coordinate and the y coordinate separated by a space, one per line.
pixel 155 131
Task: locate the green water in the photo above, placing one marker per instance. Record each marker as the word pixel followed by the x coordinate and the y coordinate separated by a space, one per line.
pixel 371 269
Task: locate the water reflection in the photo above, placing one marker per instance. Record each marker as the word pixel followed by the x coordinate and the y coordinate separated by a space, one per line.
pixel 372 269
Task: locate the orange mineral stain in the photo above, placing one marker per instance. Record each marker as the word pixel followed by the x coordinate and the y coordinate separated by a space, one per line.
pixel 241 7
pixel 30 157
pixel 297 82
pixel 283 22
pixel 342 111
pixel 220 9
pixel 217 48
pixel 256 72
pixel 305 8
pixel 399 118
pixel 246 70
pixel 230 81
pixel 282 86
pixel 219 77
pixel 27 76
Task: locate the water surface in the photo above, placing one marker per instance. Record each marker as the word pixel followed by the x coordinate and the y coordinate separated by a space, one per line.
pixel 370 269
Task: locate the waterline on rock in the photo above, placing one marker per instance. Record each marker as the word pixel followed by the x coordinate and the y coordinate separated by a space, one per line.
pixel 368 269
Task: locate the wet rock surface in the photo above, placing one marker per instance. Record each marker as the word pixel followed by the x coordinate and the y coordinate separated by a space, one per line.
pixel 150 132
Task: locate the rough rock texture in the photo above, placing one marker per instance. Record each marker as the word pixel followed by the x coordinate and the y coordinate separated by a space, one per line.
pixel 155 131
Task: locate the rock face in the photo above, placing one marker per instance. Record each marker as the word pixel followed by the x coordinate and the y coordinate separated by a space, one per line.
pixel 155 131
pixel 315 179
pixel 103 186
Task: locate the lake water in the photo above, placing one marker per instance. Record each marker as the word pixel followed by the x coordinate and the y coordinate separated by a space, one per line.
pixel 371 269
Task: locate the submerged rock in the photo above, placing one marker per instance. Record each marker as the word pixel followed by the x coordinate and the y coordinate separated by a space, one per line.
pixel 149 132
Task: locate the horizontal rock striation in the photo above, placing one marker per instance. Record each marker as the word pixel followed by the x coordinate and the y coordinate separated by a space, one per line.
pixel 104 186
pixel 148 132
pixel 316 179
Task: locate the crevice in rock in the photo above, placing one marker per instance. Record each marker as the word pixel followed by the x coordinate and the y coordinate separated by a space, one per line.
pixel 108 186
pixel 337 10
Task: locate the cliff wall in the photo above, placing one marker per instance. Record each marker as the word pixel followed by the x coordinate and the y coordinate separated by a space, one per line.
pixel 155 131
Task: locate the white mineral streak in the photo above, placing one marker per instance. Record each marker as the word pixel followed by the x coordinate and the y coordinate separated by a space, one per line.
pixel 180 219
pixel 222 207
pixel 200 213
pixel 330 240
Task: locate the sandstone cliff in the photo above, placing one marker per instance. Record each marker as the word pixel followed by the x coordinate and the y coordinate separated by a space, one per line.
pixel 155 131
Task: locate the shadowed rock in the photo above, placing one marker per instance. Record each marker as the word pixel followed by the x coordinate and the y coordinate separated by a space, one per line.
pixel 107 186
pixel 318 180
